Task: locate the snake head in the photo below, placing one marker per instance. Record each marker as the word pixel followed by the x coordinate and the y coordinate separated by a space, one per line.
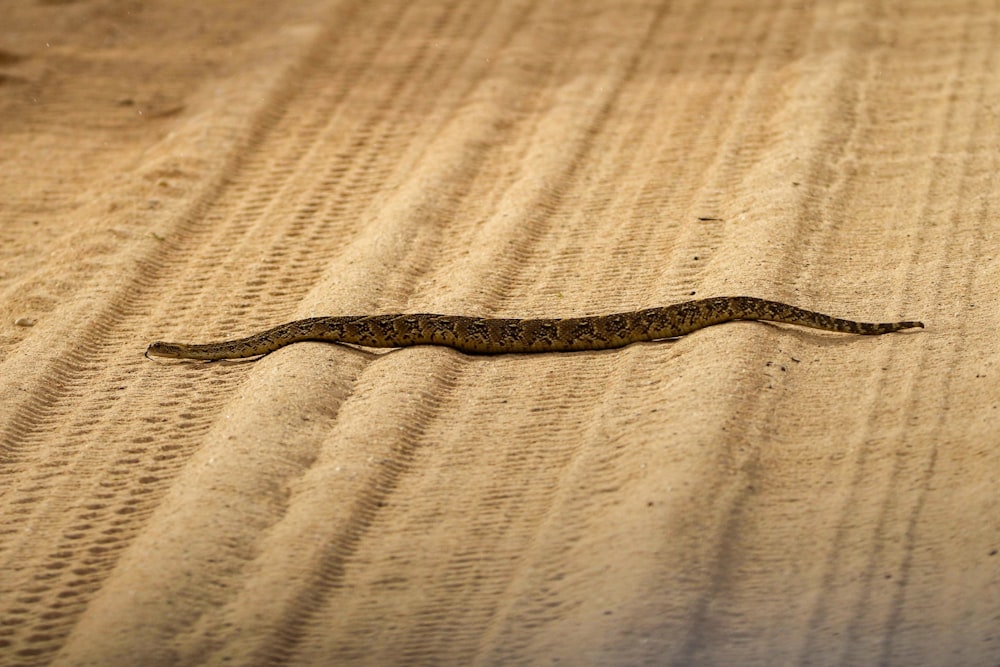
pixel 161 349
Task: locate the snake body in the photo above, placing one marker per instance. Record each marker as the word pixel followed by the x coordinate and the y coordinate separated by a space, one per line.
pixel 479 335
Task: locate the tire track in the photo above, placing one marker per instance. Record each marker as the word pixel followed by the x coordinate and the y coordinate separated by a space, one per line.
pixel 341 552
pixel 55 413
pixel 907 510
pixel 881 575
pixel 213 258
pixel 329 573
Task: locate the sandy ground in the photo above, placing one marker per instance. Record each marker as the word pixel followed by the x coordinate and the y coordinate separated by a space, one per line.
pixel 750 494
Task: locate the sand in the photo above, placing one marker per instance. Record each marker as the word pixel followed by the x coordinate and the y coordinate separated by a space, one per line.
pixel 750 494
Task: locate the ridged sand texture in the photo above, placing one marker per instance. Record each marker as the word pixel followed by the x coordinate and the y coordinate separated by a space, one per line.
pixel 747 494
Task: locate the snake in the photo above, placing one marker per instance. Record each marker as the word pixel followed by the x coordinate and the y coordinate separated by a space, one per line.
pixel 483 335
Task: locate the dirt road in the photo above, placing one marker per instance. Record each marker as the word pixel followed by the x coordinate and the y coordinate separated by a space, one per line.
pixel 750 494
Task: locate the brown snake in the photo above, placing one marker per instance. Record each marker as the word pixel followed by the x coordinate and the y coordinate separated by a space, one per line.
pixel 481 335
